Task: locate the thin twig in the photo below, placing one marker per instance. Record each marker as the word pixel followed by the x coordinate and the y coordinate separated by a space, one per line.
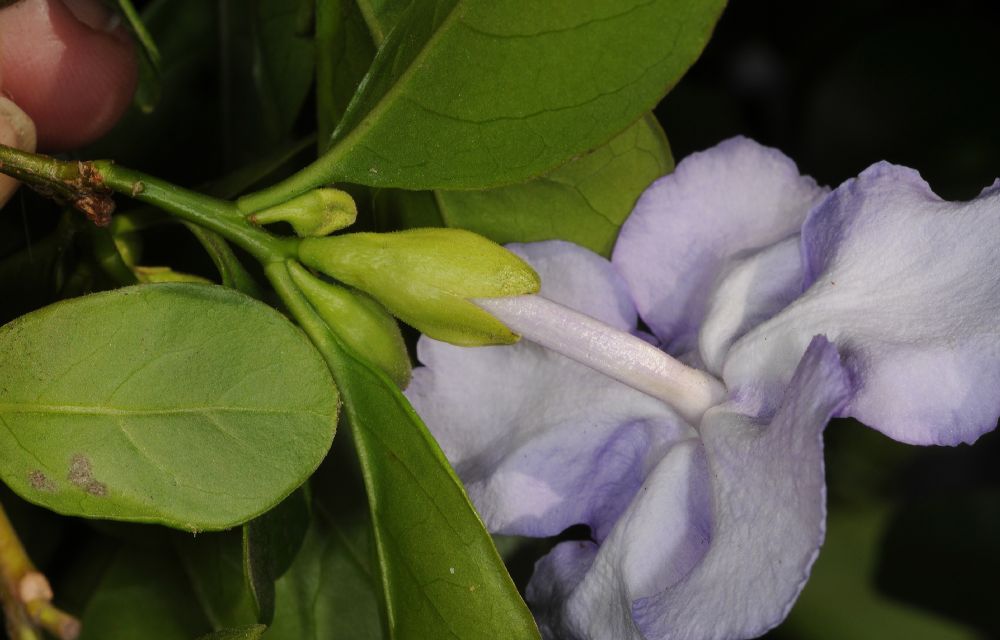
pixel 26 595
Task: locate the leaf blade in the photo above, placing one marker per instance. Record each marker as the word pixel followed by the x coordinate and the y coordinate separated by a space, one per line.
pixel 427 533
pixel 472 95
pixel 584 201
pixel 180 423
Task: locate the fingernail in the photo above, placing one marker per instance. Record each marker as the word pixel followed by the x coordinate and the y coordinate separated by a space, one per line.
pixel 93 14
pixel 16 130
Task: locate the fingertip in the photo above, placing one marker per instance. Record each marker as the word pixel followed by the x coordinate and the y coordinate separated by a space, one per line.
pixel 16 130
pixel 74 80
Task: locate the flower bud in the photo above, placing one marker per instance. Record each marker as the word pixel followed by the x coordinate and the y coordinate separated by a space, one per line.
pixel 315 213
pixel 359 321
pixel 426 278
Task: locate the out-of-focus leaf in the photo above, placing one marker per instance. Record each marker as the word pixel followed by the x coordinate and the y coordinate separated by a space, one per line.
pixel 283 59
pixel 840 600
pixel 213 563
pixel 344 51
pixel 928 544
pixel 143 594
pixel 35 274
pixel 251 632
pixel 584 201
pixel 331 590
pixel 147 93
pixel 270 543
pixel 399 209
pixel 156 404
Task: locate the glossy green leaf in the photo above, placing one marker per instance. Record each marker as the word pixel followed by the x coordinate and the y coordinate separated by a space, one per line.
pixel 466 94
pixel 441 575
pixel 142 594
pixel 270 543
pixel 585 201
pixel 156 403
pixel 251 632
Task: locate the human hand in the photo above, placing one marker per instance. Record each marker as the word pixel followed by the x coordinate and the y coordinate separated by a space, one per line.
pixel 67 74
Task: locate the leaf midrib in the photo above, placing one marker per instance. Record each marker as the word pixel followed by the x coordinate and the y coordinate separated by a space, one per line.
pixel 374 115
pixel 99 410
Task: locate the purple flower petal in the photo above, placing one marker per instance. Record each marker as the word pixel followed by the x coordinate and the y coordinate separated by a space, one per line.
pixel 541 442
pixel 734 197
pixel 752 290
pixel 721 538
pixel 908 286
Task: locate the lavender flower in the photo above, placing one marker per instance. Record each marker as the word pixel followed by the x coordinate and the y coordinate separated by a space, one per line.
pixel 694 455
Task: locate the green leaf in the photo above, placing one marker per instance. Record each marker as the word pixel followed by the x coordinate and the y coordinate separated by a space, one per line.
pixel 585 201
pixel 252 632
pixel 156 404
pixel 381 16
pixel 283 58
pixel 270 543
pixel 441 575
pixel 843 581
pixel 231 271
pixel 469 95
pixel 939 553
pixel 344 51
pixel 143 594
pixel 214 565
pixel 147 93
pixel 331 591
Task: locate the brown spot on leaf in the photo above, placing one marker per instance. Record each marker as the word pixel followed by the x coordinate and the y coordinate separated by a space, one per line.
pixel 40 482
pixel 81 475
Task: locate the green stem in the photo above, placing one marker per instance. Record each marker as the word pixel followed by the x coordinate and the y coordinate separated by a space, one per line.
pixel 320 172
pixel 279 277
pixel 211 213
pixel 86 185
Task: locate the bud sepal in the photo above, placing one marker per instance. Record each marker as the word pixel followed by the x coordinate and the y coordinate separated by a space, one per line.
pixel 359 321
pixel 316 213
pixel 428 277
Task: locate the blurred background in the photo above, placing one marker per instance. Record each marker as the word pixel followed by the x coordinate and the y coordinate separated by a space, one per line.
pixel 912 542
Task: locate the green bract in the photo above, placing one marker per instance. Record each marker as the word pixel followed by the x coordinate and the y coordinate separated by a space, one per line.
pixel 359 321
pixel 319 212
pixel 426 277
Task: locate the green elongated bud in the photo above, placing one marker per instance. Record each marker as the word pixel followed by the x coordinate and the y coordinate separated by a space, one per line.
pixel 358 320
pixel 316 213
pixel 426 278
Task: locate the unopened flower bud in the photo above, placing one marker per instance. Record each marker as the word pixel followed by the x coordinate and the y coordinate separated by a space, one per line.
pixel 316 213
pixel 358 320
pixel 426 277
